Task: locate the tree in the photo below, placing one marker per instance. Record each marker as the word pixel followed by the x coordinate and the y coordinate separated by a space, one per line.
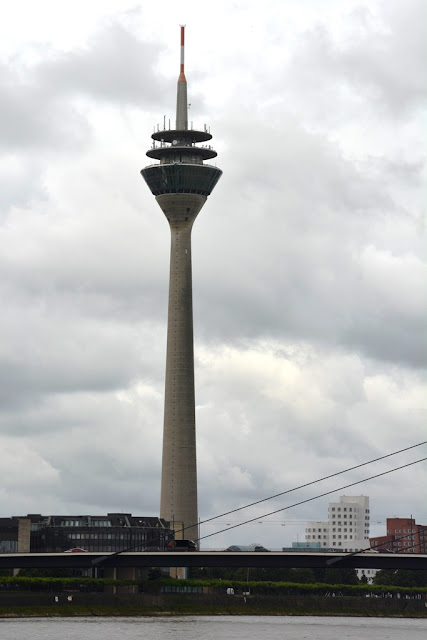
pixel 401 577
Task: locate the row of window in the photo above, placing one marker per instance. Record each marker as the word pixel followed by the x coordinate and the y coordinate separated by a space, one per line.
pixel 8 546
pixel 104 536
pixel 334 523
pixel 347 509
pixel 84 523
pixel 349 517
pixel 325 537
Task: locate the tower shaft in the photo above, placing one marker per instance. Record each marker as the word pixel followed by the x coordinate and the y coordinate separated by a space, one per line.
pixel 181 184
pixel 178 502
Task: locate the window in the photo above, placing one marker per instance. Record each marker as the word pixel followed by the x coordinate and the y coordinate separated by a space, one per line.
pixel 72 523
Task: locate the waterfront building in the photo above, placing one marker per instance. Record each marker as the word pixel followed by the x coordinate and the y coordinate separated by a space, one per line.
pixel 347 528
pixel 404 535
pixel 181 183
pixel 36 533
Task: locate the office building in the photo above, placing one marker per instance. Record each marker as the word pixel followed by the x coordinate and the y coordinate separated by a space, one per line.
pixel 36 533
pixel 347 527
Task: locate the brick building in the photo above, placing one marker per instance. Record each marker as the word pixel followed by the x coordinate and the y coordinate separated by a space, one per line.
pixel 403 536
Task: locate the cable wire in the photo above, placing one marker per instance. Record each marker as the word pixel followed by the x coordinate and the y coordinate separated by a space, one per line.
pixel 321 495
pixel 303 486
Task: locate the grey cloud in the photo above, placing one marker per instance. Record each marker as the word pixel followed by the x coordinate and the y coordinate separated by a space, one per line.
pixel 294 223
pixel 115 67
pixel 381 58
pixel 32 118
pixel 51 352
pixel 37 109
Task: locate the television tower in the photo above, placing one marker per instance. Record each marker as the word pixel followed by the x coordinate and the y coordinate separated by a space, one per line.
pixel 181 184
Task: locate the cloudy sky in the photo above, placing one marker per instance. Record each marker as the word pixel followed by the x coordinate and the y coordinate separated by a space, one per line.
pixel 308 259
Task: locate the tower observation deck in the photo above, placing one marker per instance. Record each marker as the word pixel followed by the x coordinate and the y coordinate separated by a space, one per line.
pixel 181 183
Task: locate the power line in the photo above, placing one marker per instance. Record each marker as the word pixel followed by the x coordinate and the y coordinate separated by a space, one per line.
pixel 290 491
pixel 302 486
pixel 321 495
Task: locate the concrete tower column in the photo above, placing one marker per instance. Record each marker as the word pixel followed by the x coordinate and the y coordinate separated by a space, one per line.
pixel 181 184
pixel 178 502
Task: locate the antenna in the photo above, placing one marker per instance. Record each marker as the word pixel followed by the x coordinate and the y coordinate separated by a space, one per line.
pixel 181 70
pixel 181 99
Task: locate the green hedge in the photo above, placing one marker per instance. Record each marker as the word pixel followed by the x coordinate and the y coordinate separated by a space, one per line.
pixel 26 583
pixel 297 588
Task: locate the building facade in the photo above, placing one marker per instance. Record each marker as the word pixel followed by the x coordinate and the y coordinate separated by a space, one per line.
pixel 404 535
pixel 15 535
pixel 181 183
pixel 36 533
pixel 347 527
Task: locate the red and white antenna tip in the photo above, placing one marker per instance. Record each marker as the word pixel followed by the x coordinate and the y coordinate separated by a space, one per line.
pixel 181 73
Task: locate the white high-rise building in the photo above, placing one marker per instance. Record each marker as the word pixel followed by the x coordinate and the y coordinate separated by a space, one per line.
pixel 347 527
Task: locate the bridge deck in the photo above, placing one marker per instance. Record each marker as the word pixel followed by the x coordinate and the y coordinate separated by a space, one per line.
pixel 213 559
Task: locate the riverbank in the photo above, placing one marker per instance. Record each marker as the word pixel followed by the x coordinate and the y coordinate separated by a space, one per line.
pixel 17 605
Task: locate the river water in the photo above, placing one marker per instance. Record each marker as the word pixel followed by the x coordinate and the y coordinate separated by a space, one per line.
pixel 214 628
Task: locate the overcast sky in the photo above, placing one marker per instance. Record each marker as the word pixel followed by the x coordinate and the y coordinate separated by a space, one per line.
pixel 309 266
